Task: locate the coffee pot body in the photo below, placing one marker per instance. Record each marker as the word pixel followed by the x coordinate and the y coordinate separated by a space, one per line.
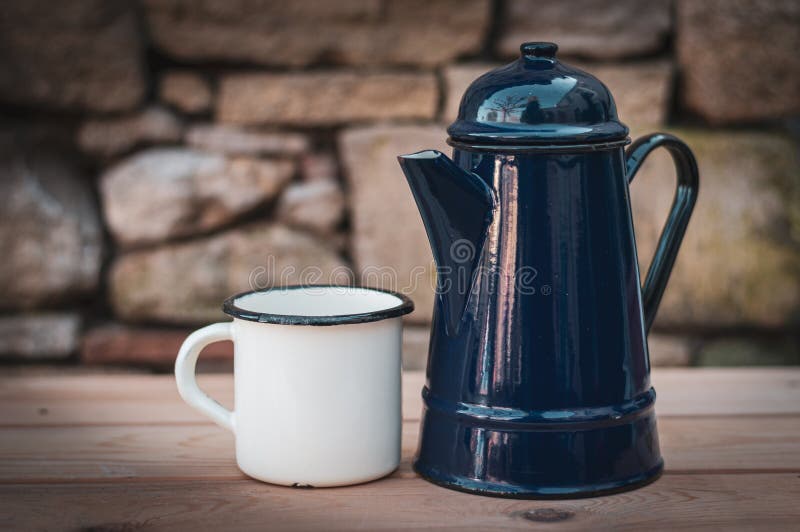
pixel 538 372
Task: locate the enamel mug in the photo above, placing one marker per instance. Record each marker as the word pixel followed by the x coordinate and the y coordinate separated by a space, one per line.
pixel 316 383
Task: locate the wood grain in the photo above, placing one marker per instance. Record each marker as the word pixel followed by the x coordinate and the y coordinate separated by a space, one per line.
pixel 122 452
pixel 51 454
pixel 747 501
pixel 147 399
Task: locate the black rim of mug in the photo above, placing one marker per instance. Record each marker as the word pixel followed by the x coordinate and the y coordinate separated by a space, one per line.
pixel 230 308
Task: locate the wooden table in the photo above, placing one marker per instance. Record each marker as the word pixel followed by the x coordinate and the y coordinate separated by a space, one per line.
pixel 124 453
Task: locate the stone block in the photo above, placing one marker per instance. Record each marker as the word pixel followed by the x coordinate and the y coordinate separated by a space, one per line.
pixel 144 346
pixel 415 347
pixel 739 59
pixel 50 231
pixel 81 54
pixel 164 193
pixel 740 260
pixel 108 137
pixel 314 205
pixel 744 351
pixel 593 29
pixel 186 283
pixel 45 336
pixel 319 99
pixel 186 91
pixel 235 140
pixel 303 32
pixel 669 350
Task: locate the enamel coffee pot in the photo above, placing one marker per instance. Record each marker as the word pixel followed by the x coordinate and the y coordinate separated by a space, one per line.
pixel 538 374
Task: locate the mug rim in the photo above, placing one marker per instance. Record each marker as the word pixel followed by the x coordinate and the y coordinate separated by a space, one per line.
pixel 230 308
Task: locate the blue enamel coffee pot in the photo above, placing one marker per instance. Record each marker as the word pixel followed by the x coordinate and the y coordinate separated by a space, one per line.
pixel 538 374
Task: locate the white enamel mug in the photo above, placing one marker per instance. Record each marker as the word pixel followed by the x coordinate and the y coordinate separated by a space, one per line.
pixel 316 382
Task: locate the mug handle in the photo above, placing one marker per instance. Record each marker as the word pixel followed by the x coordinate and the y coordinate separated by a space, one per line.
pixel 185 372
pixel 680 212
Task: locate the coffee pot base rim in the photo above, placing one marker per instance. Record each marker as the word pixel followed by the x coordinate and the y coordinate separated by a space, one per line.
pixel 492 489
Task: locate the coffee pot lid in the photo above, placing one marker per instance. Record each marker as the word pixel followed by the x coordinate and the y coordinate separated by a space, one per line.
pixel 537 100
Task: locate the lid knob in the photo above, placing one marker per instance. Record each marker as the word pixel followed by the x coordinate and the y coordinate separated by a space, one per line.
pixel 535 50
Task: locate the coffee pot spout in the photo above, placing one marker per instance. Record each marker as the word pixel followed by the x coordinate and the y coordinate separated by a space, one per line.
pixel 457 208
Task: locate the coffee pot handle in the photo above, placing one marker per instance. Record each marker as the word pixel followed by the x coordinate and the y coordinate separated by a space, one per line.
pixel 682 205
pixel 185 373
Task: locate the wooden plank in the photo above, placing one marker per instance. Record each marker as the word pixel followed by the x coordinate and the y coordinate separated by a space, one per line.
pixel 756 502
pixel 126 399
pixel 104 399
pixel 727 391
pixel 124 452
pixel 122 399
pixel 690 445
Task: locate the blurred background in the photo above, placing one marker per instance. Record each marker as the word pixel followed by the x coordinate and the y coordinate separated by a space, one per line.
pixel 158 156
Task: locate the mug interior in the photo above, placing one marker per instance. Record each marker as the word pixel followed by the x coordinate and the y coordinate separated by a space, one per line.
pixel 317 305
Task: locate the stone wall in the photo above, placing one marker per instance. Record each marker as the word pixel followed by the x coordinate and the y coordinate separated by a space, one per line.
pixel 157 156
